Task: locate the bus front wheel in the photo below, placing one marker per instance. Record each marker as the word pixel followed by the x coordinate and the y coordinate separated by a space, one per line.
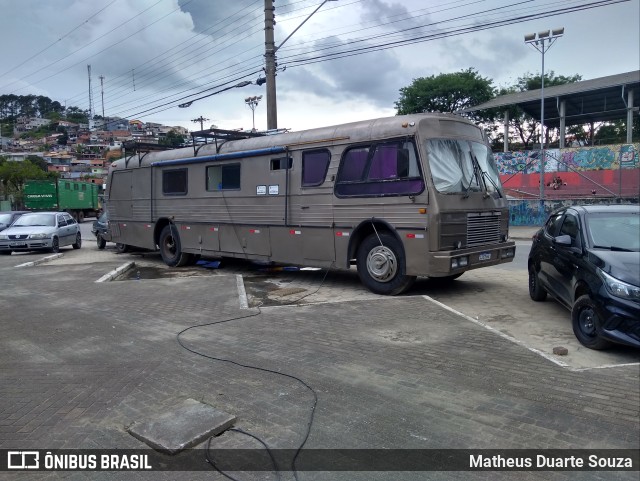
pixel 170 248
pixel 381 265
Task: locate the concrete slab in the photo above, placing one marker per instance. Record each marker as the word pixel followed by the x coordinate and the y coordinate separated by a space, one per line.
pixel 188 424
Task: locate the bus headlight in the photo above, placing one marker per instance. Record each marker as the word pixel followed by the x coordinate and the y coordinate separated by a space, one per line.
pixel 506 253
pixel 457 262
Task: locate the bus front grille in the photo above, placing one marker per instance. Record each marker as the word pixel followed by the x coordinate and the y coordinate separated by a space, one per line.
pixel 483 228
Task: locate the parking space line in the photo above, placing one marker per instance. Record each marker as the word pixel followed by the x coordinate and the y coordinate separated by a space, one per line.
pixel 242 293
pixel 109 276
pixel 499 333
pixel 607 366
pixel 40 261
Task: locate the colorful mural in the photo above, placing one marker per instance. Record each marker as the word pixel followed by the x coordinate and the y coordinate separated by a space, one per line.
pixel 568 159
pixel 535 212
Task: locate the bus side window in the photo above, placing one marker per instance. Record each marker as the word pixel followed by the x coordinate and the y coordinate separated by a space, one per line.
pixel 315 164
pixel 174 182
pixel 223 177
pixel 388 168
pixel 282 163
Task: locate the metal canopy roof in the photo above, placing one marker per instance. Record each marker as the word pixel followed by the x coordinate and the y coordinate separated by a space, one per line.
pixel 595 100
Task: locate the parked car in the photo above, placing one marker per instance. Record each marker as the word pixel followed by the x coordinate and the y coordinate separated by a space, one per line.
pixel 100 229
pixel 41 231
pixel 8 217
pixel 588 258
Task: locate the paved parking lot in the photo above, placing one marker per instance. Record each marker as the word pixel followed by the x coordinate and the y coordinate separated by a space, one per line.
pixel 81 360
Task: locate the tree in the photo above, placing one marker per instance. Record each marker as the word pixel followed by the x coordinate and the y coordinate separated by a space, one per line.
pixel 38 162
pixel 448 92
pixel 172 139
pixel 14 174
pixel 77 115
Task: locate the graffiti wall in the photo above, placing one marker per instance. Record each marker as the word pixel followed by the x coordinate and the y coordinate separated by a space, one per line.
pixel 535 212
pixel 609 157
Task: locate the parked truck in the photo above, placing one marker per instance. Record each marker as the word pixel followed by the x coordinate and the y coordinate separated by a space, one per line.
pixel 80 199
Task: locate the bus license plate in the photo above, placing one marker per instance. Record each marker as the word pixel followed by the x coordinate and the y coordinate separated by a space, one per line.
pixel 485 256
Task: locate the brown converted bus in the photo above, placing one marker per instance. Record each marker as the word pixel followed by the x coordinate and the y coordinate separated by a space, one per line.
pixel 399 197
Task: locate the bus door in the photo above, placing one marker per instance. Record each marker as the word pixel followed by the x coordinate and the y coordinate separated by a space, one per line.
pixel 310 206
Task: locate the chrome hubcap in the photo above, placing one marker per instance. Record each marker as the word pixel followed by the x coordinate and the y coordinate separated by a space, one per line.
pixel 382 264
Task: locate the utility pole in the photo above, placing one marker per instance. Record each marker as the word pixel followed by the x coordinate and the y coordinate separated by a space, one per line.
pixel 202 120
pixel 270 50
pixel 270 65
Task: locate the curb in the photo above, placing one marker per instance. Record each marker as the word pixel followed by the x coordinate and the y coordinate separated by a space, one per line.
pixel 117 272
pixel 40 261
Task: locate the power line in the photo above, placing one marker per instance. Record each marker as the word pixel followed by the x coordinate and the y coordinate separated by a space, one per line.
pixel 59 40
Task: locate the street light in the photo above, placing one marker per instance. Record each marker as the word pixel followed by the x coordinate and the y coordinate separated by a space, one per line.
pixel 542 41
pixel 252 102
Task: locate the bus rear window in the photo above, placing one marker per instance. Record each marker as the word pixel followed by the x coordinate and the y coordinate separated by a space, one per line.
pixel 223 177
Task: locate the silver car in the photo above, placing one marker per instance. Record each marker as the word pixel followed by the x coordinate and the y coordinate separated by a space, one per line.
pixel 41 231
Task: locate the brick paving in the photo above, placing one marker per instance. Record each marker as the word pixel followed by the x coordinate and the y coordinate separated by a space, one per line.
pixel 79 361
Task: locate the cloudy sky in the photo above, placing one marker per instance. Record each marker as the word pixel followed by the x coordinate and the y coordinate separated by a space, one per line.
pixel 346 63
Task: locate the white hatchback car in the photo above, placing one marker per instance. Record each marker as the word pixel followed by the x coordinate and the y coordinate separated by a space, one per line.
pixel 41 231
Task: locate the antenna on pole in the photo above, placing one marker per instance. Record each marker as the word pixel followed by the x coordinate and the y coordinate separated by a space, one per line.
pixel 90 94
pixel 102 93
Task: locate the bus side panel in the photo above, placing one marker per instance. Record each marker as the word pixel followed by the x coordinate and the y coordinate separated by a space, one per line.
pixel 141 195
pixel 120 196
pixel 286 246
pixel 230 239
pixel 255 240
pixel 416 246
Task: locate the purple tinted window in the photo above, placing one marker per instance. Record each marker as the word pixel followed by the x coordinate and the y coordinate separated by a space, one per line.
pixel 314 167
pixel 353 164
pixel 391 169
pixel 384 163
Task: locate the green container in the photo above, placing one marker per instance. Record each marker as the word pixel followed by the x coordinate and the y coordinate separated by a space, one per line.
pixel 63 195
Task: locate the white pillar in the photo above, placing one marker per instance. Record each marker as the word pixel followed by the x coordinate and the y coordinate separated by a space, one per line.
pixel 630 116
pixel 506 131
pixel 563 123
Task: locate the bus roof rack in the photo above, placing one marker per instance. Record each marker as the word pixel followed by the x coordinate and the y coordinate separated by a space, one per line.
pixel 220 136
pixel 136 147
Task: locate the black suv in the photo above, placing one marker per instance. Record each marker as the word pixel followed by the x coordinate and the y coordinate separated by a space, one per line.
pixel 588 258
pixel 100 229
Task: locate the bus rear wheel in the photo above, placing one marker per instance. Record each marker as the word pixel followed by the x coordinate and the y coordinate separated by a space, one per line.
pixel 381 265
pixel 171 249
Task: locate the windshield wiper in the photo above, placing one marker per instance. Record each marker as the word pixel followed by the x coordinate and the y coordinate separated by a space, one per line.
pixel 486 175
pixel 614 248
pixel 476 167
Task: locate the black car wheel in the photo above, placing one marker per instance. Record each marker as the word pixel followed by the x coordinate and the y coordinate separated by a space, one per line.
pixel 101 242
pixel 381 265
pixel 536 291
pixel 587 324
pixel 78 242
pixel 5 253
pixel 55 245
pixel 171 249
pixel 121 248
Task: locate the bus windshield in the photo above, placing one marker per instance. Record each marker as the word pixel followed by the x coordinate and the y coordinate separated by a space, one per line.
pixel 461 166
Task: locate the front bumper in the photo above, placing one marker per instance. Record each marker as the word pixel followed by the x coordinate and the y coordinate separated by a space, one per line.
pixel 621 319
pixel 25 245
pixel 440 263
